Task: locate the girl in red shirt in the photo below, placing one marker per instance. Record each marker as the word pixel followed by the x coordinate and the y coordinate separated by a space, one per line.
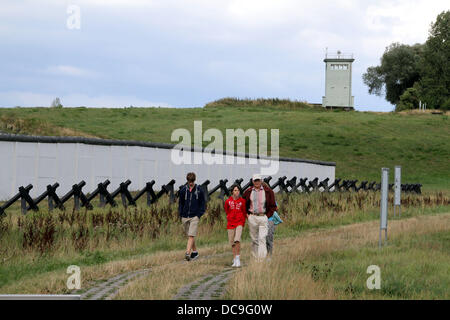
pixel 236 214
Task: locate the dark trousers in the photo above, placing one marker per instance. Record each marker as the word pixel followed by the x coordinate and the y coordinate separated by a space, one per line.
pixel 269 238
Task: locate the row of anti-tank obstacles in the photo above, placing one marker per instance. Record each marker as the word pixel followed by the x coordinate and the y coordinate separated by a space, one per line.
pixel 84 200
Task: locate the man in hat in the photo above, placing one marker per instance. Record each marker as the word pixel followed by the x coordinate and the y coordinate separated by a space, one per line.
pixel 261 205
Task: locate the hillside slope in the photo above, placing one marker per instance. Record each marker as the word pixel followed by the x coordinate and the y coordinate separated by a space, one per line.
pixel 361 143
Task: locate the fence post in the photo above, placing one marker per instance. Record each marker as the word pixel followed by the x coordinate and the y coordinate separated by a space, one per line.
pixel 267 180
pixel 384 203
pixel 280 184
pixel 147 189
pixel 25 198
pixel 168 188
pixel 238 183
pixel 324 185
pixel 43 195
pixel 125 194
pixel 80 196
pixel 52 197
pixel 204 187
pixel 248 185
pixel 107 198
pixel 291 183
pixel 398 189
pixel 223 189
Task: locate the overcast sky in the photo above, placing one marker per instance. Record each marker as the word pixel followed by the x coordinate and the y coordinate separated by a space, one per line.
pixel 187 53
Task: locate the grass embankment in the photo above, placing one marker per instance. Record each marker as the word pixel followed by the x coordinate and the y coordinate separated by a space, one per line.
pixel 359 142
pixel 37 249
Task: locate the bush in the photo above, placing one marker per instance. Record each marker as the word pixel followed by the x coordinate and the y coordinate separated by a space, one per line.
pixel 39 231
pixel 249 103
pixel 408 100
pixel 446 105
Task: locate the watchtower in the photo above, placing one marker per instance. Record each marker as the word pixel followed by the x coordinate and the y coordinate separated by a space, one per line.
pixel 338 81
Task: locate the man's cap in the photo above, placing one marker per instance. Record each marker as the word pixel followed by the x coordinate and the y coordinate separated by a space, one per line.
pixel 256 176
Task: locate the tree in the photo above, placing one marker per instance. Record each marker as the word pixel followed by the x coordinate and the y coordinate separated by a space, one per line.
pixel 56 103
pixel 435 63
pixel 399 70
pixel 446 105
pixel 409 99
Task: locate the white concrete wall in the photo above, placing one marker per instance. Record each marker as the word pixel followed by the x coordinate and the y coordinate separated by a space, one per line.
pixel 40 164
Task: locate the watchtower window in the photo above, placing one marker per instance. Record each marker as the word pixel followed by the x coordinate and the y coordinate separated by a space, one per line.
pixel 339 67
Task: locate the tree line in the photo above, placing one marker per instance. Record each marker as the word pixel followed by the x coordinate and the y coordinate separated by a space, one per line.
pixel 409 74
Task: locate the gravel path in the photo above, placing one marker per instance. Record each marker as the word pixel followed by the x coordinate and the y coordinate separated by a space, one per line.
pixel 209 287
pixel 108 289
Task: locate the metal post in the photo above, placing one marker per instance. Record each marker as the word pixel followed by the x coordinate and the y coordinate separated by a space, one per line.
pixel 384 202
pixel 124 200
pixel 76 201
pixel 51 206
pixel 102 201
pixel 379 241
pixel 149 198
pixel 23 205
pixel 398 188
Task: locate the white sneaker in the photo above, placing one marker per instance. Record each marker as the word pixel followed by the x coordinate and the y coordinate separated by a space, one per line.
pixel 234 263
pixel 237 263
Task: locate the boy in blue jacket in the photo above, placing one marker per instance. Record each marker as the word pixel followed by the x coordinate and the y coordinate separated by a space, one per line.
pixel 191 208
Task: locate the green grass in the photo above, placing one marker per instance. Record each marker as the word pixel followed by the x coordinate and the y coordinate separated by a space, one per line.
pixel 412 267
pixel 21 263
pixel 361 143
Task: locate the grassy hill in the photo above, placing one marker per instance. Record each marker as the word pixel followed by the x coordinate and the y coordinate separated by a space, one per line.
pixel 359 142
